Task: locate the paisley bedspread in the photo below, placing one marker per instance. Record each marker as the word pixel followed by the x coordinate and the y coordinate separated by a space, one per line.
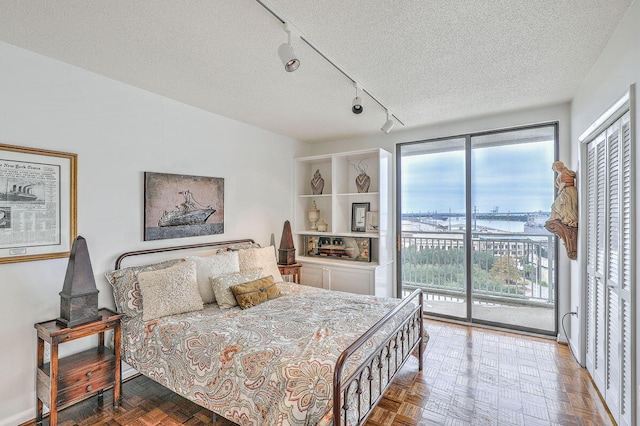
pixel 271 364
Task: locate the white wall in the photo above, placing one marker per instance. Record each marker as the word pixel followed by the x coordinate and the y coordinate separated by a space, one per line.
pixel 559 113
pixel 119 132
pixel 616 69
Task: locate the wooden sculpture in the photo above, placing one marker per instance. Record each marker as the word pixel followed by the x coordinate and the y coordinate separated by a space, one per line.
pixel 563 221
pixel 286 252
pixel 79 295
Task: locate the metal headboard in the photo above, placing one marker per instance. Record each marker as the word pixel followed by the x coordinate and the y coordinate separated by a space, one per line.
pixel 174 248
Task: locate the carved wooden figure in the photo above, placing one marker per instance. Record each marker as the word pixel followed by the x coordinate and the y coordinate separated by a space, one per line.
pixel 564 210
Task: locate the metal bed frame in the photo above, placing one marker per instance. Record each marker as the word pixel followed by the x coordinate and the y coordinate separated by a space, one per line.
pixel 385 361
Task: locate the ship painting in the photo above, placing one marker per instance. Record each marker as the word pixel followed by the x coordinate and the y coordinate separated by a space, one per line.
pixel 180 206
pixel 19 193
pixel 190 212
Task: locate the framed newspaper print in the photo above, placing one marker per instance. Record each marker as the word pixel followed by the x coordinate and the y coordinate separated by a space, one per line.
pixel 37 203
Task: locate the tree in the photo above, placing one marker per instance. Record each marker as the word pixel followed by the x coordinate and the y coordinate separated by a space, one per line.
pixel 506 269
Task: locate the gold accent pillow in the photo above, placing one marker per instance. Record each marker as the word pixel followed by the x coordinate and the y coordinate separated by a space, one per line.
pixel 255 292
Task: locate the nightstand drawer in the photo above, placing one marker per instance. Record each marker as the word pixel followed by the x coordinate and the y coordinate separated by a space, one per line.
pixel 93 364
pixel 76 393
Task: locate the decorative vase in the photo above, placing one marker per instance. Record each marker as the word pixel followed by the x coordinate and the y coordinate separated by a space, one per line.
pixel 314 215
pixel 317 183
pixel 322 226
pixel 362 182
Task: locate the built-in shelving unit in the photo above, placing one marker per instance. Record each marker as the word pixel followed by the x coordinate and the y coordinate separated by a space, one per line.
pixel 339 172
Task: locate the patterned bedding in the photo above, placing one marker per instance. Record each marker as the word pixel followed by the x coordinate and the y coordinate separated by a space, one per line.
pixel 271 364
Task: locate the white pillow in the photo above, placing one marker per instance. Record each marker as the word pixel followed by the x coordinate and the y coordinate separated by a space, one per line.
pixel 221 286
pixel 169 291
pixel 213 266
pixel 260 258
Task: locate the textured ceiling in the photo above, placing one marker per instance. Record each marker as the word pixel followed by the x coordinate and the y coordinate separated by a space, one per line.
pixel 428 61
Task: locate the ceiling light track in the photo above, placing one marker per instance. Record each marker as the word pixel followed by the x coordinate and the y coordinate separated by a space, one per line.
pixel 287 25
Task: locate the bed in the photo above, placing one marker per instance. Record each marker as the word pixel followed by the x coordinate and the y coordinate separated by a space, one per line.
pixel 308 356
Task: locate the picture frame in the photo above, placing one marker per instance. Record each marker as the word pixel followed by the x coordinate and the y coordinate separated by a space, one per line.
pixel 178 206
pixel 38 203
pixel 358 216
pixel 372 222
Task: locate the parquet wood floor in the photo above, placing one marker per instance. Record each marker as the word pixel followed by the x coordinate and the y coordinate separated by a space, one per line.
pixel 472 376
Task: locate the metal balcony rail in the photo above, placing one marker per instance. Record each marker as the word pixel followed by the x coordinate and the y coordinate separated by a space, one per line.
pixel 507 268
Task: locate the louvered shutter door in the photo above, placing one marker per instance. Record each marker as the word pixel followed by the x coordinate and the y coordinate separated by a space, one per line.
pixel 612 387
pixel 591 255
pixel 626 286
pixel 599 363
pixel 610 283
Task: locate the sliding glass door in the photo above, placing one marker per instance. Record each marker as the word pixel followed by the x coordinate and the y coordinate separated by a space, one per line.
pixel 471 230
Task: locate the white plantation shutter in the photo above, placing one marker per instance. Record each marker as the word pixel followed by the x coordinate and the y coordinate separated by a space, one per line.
pixel 612 221
pixel 591 245
pixel 610 283
pixel 626 277
pixel 599 248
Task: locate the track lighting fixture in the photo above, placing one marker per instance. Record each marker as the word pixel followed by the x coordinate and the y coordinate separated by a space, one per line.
pixel 357 107
pixel 388 125
pixel 291 63
pixel 286 53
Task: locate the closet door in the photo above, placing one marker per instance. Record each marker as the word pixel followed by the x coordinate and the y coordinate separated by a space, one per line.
pixel 609 275
pixel 612 261
pixel 596 221
pixel 627 280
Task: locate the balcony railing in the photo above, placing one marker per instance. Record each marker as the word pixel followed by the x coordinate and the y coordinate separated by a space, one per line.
pixel 506 268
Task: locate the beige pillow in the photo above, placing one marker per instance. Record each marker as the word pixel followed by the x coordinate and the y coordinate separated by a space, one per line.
pixel 255 292
pixel 221 285
pixel 213 266
pixel 260 258
pixel 126 289
pixel 169 291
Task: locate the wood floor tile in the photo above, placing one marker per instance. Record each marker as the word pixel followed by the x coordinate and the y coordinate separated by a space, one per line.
pixel 471 377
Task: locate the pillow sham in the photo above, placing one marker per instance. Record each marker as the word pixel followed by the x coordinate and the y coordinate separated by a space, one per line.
pixel 255 292
pixel 126 291
pixel 260 258
pixel 169 291
pixel 213 266
pixel 221 286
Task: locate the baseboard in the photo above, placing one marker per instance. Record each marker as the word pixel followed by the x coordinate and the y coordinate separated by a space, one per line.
pixel 128 371
pixel 20 418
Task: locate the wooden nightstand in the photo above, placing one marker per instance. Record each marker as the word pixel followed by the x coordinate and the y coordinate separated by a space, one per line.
pixel 65 381
pixel 293 270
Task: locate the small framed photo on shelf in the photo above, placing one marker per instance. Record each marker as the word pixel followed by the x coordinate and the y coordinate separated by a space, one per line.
pixel 359 216
pixel 372 222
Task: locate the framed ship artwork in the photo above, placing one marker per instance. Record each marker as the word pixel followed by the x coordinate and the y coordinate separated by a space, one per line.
pixel 178 206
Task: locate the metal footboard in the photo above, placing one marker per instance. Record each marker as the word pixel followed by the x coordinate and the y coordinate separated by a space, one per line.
pixel 382 365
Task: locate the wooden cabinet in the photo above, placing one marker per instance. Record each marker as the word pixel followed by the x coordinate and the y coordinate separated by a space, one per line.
pixel 339 172
pixel 369 279
pixel 65 381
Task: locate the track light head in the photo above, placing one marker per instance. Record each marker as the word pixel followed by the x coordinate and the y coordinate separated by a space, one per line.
pixel 388 125
pixel 286 53
pixel 357 107
pixel 288 57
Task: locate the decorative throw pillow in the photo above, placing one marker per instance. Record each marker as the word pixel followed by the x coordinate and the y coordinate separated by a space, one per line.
pixel 255 292
pixel 213 266
pixel 126 291
pixel 221 284
pixel 260 258
pixel 170 291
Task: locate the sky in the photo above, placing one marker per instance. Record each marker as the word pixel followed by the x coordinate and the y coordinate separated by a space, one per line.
pixel 516 178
